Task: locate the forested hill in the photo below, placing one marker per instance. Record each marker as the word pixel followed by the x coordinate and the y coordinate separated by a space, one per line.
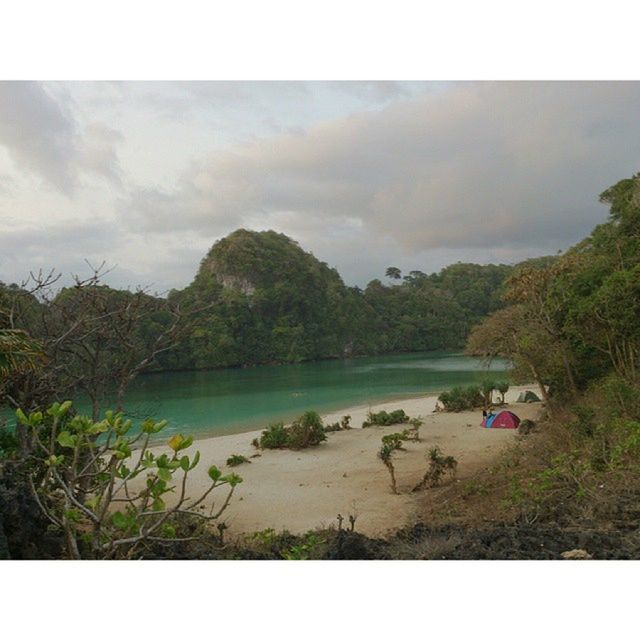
pixel 262 298
pixel 258 297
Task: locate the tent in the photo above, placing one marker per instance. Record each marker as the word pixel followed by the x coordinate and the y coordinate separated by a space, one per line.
pixel 502 420
pixel 528 396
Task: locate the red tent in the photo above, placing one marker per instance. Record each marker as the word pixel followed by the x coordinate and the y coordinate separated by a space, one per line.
pixel 505 420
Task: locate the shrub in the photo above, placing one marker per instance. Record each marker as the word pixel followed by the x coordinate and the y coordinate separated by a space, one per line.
pixel 462 398
pixel 439 465
pixel 235 460
pixel 414 432
pixel 305 431
pixel 306 549
pixel 82 480
pixel 395 439
pixel 339 426
pixel 274 436
pixel 382 418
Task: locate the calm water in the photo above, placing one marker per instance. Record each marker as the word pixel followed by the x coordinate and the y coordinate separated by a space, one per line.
pixel 235 400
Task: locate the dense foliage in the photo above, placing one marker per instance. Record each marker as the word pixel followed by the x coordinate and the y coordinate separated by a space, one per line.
pixel 573 322
pixel 257 298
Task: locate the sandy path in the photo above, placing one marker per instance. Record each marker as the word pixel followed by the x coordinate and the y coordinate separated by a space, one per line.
pixel 301 490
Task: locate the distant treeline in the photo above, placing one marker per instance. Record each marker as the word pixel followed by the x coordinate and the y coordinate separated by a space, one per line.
pixel 259 298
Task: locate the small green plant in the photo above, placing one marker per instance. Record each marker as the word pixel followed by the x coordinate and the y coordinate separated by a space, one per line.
pixel 274 437
pixel 304 550
pixel 386 455
pixel 235 460
pixel 414 432
pixel 439 466
pixel 343 425
pixel 305 431
pixel 383 418
pixel 395 440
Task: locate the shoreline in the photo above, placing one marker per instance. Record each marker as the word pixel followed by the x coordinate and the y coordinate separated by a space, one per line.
pixel 302 490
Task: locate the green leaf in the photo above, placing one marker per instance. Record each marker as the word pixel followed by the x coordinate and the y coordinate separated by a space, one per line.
pixel 73 515
pixel 158 504
pixel 22 418
pixel 164 474
pixel 196 459
pixel 214 473
pixel 54 409
pixel 119 520
pixel 93 502
pixel 233 479
pixel 65 439
pixel 184 463
pixel 64 407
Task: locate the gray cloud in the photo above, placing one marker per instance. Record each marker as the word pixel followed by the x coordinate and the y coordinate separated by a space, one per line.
pixel 43 138
pixel 514 164
pixel 429 174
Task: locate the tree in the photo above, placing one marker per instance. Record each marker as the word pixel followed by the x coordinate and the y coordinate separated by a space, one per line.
pixel 544 303
pixel 84 480
pixel 94 339
pixel 488 387
pixel 502 387
pixel 386 454
pixel 510 333
pixel 394 273
pixel 18 353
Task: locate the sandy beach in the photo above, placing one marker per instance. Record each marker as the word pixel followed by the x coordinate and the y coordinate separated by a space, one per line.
pixel 302 490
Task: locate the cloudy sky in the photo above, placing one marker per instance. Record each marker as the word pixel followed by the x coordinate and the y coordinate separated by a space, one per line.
pixel 146 176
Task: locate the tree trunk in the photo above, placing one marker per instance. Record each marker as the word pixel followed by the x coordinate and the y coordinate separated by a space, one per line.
pixel 543 389
pixel 393 476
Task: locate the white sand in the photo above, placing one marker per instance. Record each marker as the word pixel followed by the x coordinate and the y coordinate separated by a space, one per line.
pixel 301 490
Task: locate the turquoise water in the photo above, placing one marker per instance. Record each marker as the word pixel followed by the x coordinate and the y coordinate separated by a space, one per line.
pixel 205 403
pixel 235 400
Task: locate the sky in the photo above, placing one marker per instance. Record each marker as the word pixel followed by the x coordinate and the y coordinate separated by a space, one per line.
pixel 146 176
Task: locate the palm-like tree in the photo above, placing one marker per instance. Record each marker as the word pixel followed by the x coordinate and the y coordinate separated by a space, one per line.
pixel 394 273
pixel 18 352
pixel 385 454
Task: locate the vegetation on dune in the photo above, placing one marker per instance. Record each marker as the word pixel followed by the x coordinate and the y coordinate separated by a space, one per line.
pixel 343 425
pixel 462 398
pixel 439 466
pixel 305 431
pixel 235 460
pixel 384 418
